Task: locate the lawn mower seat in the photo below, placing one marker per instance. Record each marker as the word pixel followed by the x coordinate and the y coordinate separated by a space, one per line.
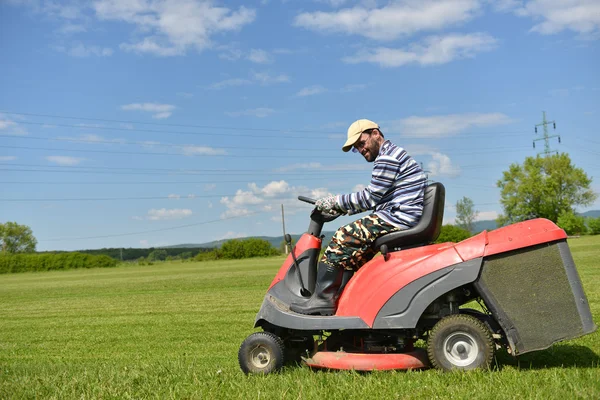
pixel 427 229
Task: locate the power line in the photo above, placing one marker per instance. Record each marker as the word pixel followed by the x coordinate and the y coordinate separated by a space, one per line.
pixel 141 153
pixel 320 132
pixel 152 230
pixel 189 197
pixel 497 150
pixel 315 173
pixel 184 147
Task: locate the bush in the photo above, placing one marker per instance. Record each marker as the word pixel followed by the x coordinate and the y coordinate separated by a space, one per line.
pixel 451 233
pixel 247 248
pixel 593 225
pixel 208 256
pixel 51 261
pixel 571 223
pixel 158 255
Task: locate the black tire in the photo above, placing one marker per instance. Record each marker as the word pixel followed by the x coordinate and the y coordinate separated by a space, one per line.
pixel 460 342
pixel 261 353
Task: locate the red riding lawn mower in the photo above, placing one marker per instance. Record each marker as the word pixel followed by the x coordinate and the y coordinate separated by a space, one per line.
pixel 522 276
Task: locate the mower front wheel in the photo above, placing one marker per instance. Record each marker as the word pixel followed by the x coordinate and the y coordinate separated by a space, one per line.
pixel 460 342
pixel 261 353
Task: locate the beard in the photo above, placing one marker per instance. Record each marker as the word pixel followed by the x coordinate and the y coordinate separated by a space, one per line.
pixel 370 153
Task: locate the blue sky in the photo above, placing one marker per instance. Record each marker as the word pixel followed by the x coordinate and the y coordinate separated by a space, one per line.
pixel 138 123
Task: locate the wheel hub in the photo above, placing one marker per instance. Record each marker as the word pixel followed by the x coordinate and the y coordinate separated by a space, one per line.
pixel 461 349
pixel 260 357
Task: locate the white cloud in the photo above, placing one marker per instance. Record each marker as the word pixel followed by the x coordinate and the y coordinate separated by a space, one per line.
pixel 80 50
pixel 210 186
pixel 319 193
pixel 353 87
pixel 486 215
pixel 311 91
pixel 159 111
pixel 9 127
pixel 554 16
pixel 261 78
pixel 65 160
pixel 232 235
pixel 4 124
pixel 264 78
pixel 229 53
pixel 237 205
pixel 8 158
pixel 260 112
pixel 235 212
pixel 144 243
pixel 91 138
pixel 171 27
pixel 192 150
pixel 434 50
pixel 174 196
pixel 168 214
pixel 185 95
pixel 272 189
pixel 445 125
pixel 259 56
pixel 441 165
pixel 70 28
pixel 398 18
pixel 358 188
pixel 230 83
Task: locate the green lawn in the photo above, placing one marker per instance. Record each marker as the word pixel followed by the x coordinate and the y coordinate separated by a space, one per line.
pixel 173 331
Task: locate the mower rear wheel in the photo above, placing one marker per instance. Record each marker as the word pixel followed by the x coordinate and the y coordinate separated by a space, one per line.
pixel 460 342
pixel 261 353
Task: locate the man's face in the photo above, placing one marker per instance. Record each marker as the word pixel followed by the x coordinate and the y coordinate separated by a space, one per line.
pixel 367 146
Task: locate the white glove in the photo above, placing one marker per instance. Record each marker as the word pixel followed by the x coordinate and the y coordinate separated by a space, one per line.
pixel 328 204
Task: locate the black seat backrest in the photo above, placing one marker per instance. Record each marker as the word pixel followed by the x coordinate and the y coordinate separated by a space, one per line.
pixel 427 229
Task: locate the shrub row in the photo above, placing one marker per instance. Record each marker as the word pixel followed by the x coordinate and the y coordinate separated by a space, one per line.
pixel 51 261
pixel 240 248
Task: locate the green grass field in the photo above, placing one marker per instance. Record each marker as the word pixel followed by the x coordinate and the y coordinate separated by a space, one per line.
pixel 173 331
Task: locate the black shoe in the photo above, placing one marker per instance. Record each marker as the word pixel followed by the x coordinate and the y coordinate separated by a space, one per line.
pixel 324 299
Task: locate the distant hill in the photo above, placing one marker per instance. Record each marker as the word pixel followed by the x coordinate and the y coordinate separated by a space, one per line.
pixel 591 214
pixel 484 225
pixel 274 240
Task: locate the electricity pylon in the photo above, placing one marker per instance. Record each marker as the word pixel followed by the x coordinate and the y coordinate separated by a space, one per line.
pixel 546 137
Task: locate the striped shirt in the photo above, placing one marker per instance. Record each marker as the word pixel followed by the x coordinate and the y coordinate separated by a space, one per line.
pixel 396 189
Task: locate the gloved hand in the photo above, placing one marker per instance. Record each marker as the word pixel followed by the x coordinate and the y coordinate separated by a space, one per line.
pixel 328 205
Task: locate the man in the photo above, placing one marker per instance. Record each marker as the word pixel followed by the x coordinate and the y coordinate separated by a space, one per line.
pixel 396 196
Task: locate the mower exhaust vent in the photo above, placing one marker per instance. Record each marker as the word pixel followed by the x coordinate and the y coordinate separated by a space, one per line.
pixel 536 295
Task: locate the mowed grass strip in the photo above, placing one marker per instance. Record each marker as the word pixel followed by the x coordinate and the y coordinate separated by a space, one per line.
pixel 173 331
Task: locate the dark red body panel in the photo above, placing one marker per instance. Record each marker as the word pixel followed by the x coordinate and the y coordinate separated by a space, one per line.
pixel 306 242
pixel 368 361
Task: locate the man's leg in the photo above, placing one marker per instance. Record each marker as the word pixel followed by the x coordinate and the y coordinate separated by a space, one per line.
pixel 349 248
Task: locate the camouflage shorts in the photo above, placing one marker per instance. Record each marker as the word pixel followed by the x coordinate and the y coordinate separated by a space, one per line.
pixel 350 247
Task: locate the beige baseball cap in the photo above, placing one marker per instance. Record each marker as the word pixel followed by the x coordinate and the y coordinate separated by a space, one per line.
pixel 356 129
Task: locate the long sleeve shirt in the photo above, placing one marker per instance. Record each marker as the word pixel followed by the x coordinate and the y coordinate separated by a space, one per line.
pixel 396 189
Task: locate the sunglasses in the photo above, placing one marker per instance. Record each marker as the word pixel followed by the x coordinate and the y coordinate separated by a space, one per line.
pixel 357 147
